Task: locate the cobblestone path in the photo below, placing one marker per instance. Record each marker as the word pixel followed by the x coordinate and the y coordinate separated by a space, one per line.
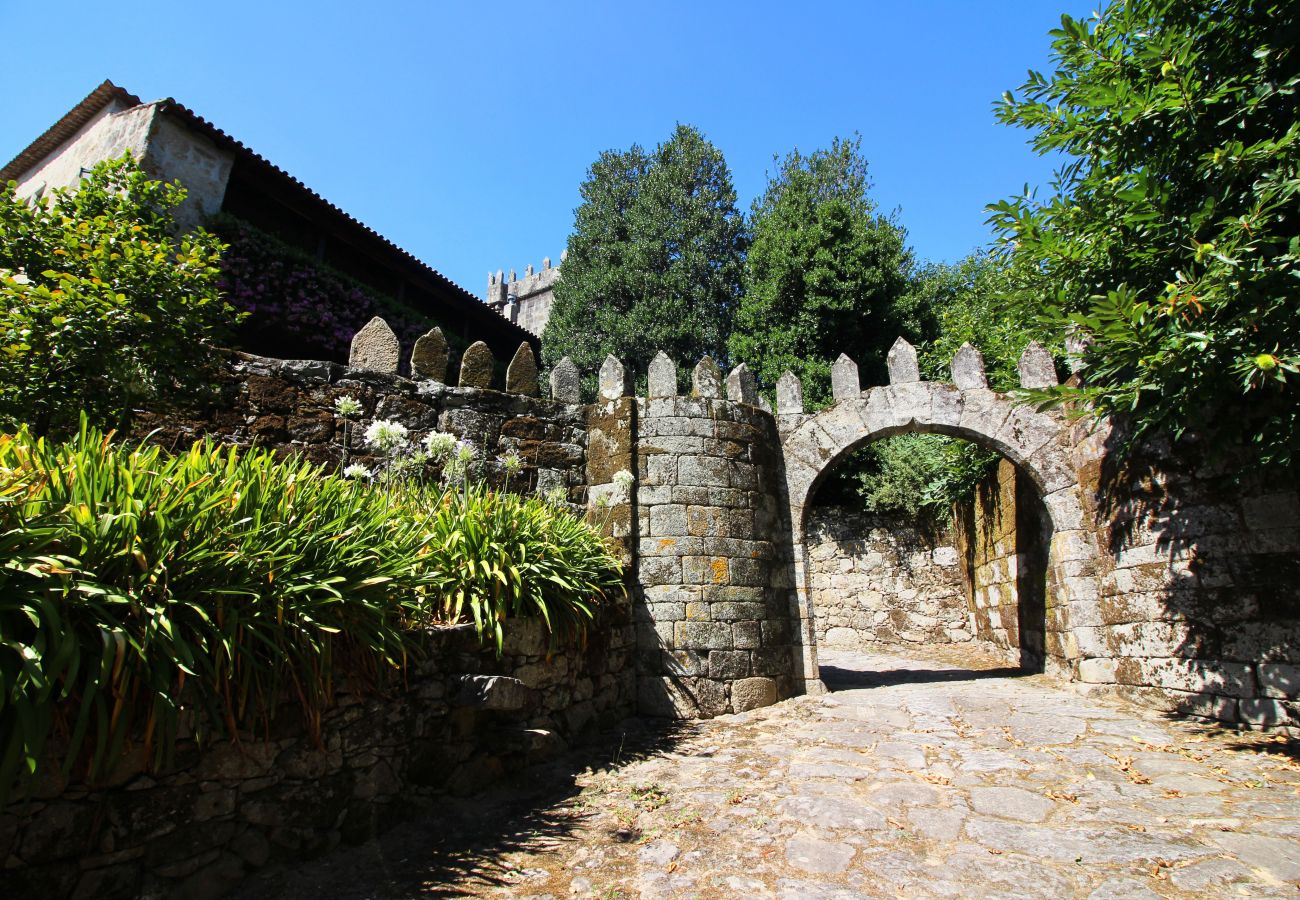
pixel 910 779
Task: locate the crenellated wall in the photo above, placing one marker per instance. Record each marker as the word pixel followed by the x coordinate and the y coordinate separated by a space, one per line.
pixel 713 574
pixel 1159 578
pixel 1154 578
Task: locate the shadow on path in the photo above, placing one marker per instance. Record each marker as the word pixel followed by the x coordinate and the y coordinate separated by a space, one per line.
pixel 461 846
pixel 839 679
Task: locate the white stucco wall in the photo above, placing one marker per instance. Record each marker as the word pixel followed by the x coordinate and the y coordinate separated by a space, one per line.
pixel 167 149
pixel 110 133
pixel 175 153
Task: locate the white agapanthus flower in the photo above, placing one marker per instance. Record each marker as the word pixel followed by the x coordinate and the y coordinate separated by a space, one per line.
pixel 456 468
pixel 556 496
pixel 622 486
pixel 512 463
pixel 440 444
pixel 347 407
pixel 356 470
pixel 385 435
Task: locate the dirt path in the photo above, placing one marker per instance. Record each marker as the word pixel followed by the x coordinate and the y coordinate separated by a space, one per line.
pixel 911 779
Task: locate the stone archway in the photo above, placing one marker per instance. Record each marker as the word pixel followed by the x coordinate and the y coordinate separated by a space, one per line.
pixel 1037 443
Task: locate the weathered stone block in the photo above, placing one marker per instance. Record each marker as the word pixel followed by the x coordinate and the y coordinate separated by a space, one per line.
pixel 661 570
pixel 903 367
pixel 698 611
pixel 521 374
pixel 666 612
pixel 476 366
pixel 1037 370
pixel 772 661
pixel 732 594
pixel 495 692
pixel 732 612
pixel 1279 680
pixel 1265 712
pixel 671 546
pixel 753 693
pixel 728 665
pixel 710 697
pixel 663 376
pixel 566 382
pixel 845 382
pixel 661 469
pixel 744 476
pixel 752 572
pixel 705 570
pixel 664 697
pixel 968 369
pixel 702 635
pixel 789 395
pixel 703 471
pixel 375 347
pixel 746 635
pixel 706 381
pixel 668 520
pixel 614 380
pixel 430 356
pixel 1097 671
pixel 686 662
pixel 741 386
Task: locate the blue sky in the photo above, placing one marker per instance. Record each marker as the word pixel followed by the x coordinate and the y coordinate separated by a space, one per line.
pixel 462 131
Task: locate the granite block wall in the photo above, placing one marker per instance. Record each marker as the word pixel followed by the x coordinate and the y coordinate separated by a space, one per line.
pixel 878 582
pixel 1198 607
pixel 713 631
pixel 288 405
pixel 1002 539
pixel 462 719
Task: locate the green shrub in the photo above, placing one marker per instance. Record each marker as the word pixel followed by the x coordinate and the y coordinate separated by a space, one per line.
pixel 916 476
pixel 497 556
pixel 142 594
pixel 102 306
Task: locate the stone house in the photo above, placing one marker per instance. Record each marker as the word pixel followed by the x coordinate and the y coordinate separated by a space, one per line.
pixel 222 175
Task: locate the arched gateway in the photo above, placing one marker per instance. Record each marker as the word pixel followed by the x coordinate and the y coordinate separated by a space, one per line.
pixel 1038 443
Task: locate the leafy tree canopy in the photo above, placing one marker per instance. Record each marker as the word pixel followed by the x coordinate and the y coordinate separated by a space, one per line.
pixel 970 300
pixel 655 259
pixel 826 274
pixel 102 306
pixel 1171 237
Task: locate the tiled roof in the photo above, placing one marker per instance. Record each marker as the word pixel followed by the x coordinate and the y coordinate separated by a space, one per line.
pixel 84 111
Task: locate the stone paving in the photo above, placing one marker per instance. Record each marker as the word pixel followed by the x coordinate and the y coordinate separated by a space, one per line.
pixel 910 779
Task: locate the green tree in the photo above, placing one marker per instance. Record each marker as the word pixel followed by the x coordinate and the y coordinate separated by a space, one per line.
pixel 1170 238
pixel 102 306
pixel 971 301
pixel 826 274
pixel 654 261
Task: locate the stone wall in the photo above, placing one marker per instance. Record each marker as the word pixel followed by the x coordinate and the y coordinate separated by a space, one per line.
pixel 1158 581
pixel 197 826
pixel 165 149
pixel 878 581
pixel 713 574
pixel 288 405
pixel 1198 609
pixel 108 134
pixel 1002 544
